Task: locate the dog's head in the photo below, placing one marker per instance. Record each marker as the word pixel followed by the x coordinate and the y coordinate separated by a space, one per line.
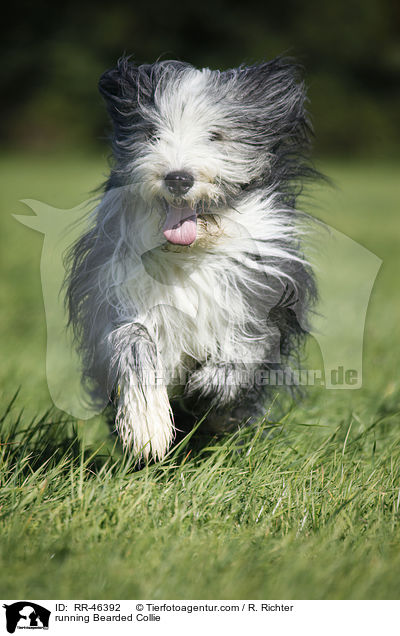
pixel 191 141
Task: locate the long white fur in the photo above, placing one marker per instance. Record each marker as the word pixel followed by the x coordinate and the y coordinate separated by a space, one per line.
pixel 201 285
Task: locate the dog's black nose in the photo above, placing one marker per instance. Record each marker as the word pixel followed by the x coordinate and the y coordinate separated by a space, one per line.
pixel 179 182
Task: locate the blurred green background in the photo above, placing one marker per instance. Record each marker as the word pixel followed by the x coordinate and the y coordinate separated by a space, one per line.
pixel 54 53
pixel 214 526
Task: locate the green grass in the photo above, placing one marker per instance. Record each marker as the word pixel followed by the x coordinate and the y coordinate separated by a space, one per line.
pixel 310 511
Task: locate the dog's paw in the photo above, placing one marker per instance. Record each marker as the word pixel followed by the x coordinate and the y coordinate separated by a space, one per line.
pixel 144 420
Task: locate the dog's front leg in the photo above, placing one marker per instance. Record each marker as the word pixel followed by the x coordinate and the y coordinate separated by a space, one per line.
pixel 144 417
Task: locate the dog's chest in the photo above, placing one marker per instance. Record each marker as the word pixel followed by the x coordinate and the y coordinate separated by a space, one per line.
pixel 192 313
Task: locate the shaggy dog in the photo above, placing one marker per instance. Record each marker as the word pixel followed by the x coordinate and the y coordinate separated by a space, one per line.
pixel 190 284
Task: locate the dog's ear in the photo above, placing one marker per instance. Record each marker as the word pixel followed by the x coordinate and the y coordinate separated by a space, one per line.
pixel 277 82
pixel 118 87
pixel 273 101
pixel 125 85
pixel 275 95
pixel 110 84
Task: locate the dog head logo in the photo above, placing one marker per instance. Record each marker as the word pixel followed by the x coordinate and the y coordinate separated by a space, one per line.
pixel 26 615
pixel 338 325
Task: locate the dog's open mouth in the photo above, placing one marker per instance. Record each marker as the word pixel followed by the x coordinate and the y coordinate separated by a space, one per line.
pixel 180 227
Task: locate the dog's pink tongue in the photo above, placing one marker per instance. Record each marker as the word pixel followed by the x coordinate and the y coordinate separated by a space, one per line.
pixel 180 226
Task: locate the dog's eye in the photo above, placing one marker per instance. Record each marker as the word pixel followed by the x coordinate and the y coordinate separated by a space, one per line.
pixel 215 136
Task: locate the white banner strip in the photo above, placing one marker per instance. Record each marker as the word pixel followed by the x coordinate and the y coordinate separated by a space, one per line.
pixel 182 617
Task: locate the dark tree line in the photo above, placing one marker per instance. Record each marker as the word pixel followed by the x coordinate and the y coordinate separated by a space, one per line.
pixel 52 56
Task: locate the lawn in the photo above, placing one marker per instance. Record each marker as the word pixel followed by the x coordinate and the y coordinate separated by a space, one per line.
pixel 311 511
